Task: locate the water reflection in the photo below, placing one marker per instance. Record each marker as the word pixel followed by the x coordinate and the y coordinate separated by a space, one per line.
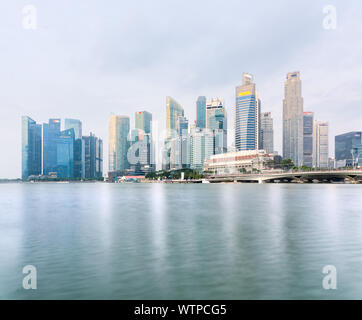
pixel 156 241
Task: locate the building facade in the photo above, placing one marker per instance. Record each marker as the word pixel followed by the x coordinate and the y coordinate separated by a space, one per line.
pixel 201 147
pixel 93 157
pixel 31 138
pixel 348 149
pixel 65 154
pixel 143 121
pixel 237 162
pixel 308 139
pixel 321 142
pixel 293 119
pixel 78 160
pixel 266 132
pixel 216 122
pixel 119 128
pixel 173 111
pixel 51 133
pixel 201 112
pixel 247 113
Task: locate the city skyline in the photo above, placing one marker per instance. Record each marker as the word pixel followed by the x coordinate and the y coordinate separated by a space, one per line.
pixel 67 82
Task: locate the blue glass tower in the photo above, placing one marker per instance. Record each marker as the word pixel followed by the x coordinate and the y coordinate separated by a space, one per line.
pixel 201 112
pixel 51 132
pixel 77 126
pixel 247 113
pixel 65 154
pixel 31 147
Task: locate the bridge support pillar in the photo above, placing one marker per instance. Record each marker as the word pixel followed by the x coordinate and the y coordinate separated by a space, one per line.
pixel 260 181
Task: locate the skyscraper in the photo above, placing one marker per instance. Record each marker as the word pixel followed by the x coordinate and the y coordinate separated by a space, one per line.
pixel 201 147
pixel 182 126
pixel 293 119
pixel 247 112
pixel 51 132
pixel 308 139
pixel 65 154
pixel 216 122
pixel 266 132
pixel 143 121
pixel 77 126
pixel 173 111
pixel 119 127
pixel 179 145
pixel 321 144
pixel 201 112
pixel 93 157
pixel 348 149
pixel 31 147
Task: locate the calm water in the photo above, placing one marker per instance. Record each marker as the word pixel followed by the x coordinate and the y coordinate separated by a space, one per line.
pixel 155 241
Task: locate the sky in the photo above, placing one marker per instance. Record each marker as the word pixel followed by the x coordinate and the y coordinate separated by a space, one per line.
pixel 87 59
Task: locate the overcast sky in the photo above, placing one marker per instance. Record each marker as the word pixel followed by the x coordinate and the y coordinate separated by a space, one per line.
pixel 87 59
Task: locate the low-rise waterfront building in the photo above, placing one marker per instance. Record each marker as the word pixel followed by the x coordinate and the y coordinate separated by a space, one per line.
pixel 236 162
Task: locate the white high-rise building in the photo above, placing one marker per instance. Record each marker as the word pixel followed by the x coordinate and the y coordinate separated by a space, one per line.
pixel 201 147
pixel 321 145
pixel 293 119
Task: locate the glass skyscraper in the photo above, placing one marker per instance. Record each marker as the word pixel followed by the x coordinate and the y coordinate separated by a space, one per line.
pixel 201 147
pixel 201 112
pixel 266 132
pixel 77 126
pixel 143 121
pixel 65 154
pixel 247 114
pixel 348 149
pixel 173 111
pixel 293 119
pixel 31 147
pixel 51 132
pixel 93 157
pixel 119 127
pixel 308 139
pixel 216 122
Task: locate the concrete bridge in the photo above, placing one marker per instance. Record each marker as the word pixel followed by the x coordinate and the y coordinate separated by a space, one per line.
pixel 335 176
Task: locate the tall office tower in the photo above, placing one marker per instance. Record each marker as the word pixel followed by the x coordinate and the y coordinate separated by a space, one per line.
pixel 308 139
pixel 201 147
pixel 293 119
pixel 31 147
pixel 77 126
pixel 93 157
pixel 51 132
pixel 140 152
pixel 348 149
pixel 178 145
pixel 266 132
pixel 143 121
pixel 182 126
pixel 247 113
pixel 201 112
pixel 173 111
pixel 65 154
pixel 118 143
pixel 321 142
pixel 215 114
pixel 216 121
